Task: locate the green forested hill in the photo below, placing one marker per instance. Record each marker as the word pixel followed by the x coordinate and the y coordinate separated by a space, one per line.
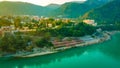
pixel 109 13
pixel 69 9
pixel 76 9
pixel 21 8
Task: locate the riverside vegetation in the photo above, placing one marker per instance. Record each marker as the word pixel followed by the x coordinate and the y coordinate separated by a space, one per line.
pixel 24 33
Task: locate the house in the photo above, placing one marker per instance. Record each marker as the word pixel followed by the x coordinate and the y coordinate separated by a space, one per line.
pixel 36 18
pixel 6 29
pixel 90 22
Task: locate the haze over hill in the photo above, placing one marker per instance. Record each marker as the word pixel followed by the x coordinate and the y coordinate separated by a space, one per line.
pixel 52 6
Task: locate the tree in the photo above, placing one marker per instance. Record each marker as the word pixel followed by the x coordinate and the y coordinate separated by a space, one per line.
pixel 9 45
pixel 17 22
pixel 14 43
pixel 42 42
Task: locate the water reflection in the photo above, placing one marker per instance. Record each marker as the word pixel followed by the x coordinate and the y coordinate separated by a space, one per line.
pixel 21 62
pixel 112 47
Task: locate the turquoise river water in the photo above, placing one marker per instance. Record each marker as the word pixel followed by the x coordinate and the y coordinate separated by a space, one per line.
pixel 102 55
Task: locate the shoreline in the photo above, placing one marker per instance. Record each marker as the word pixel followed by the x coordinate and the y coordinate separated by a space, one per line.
pixel 106 36
pixel 87 43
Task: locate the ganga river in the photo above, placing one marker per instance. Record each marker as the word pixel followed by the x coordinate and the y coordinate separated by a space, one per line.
pixel 101 55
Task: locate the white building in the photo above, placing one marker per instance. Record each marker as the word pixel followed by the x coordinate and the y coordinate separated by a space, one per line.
pixel 90 22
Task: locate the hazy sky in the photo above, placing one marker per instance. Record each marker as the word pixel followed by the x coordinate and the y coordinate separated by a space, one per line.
pixel 44 2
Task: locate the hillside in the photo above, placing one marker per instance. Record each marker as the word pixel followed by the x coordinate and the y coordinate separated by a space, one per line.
pixel 76 9
pixel 21 8
pixel 109 13
pixel 69 9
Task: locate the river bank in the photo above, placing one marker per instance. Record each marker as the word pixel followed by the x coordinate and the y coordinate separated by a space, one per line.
pixel 88 40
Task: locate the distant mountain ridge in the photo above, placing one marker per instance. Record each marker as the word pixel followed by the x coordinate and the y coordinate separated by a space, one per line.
pixel 53 6
pixel 68 10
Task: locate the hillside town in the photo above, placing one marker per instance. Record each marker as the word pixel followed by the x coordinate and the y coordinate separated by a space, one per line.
pixel 28 35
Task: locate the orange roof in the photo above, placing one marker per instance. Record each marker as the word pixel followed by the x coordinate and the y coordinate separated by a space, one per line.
pixel 66 43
